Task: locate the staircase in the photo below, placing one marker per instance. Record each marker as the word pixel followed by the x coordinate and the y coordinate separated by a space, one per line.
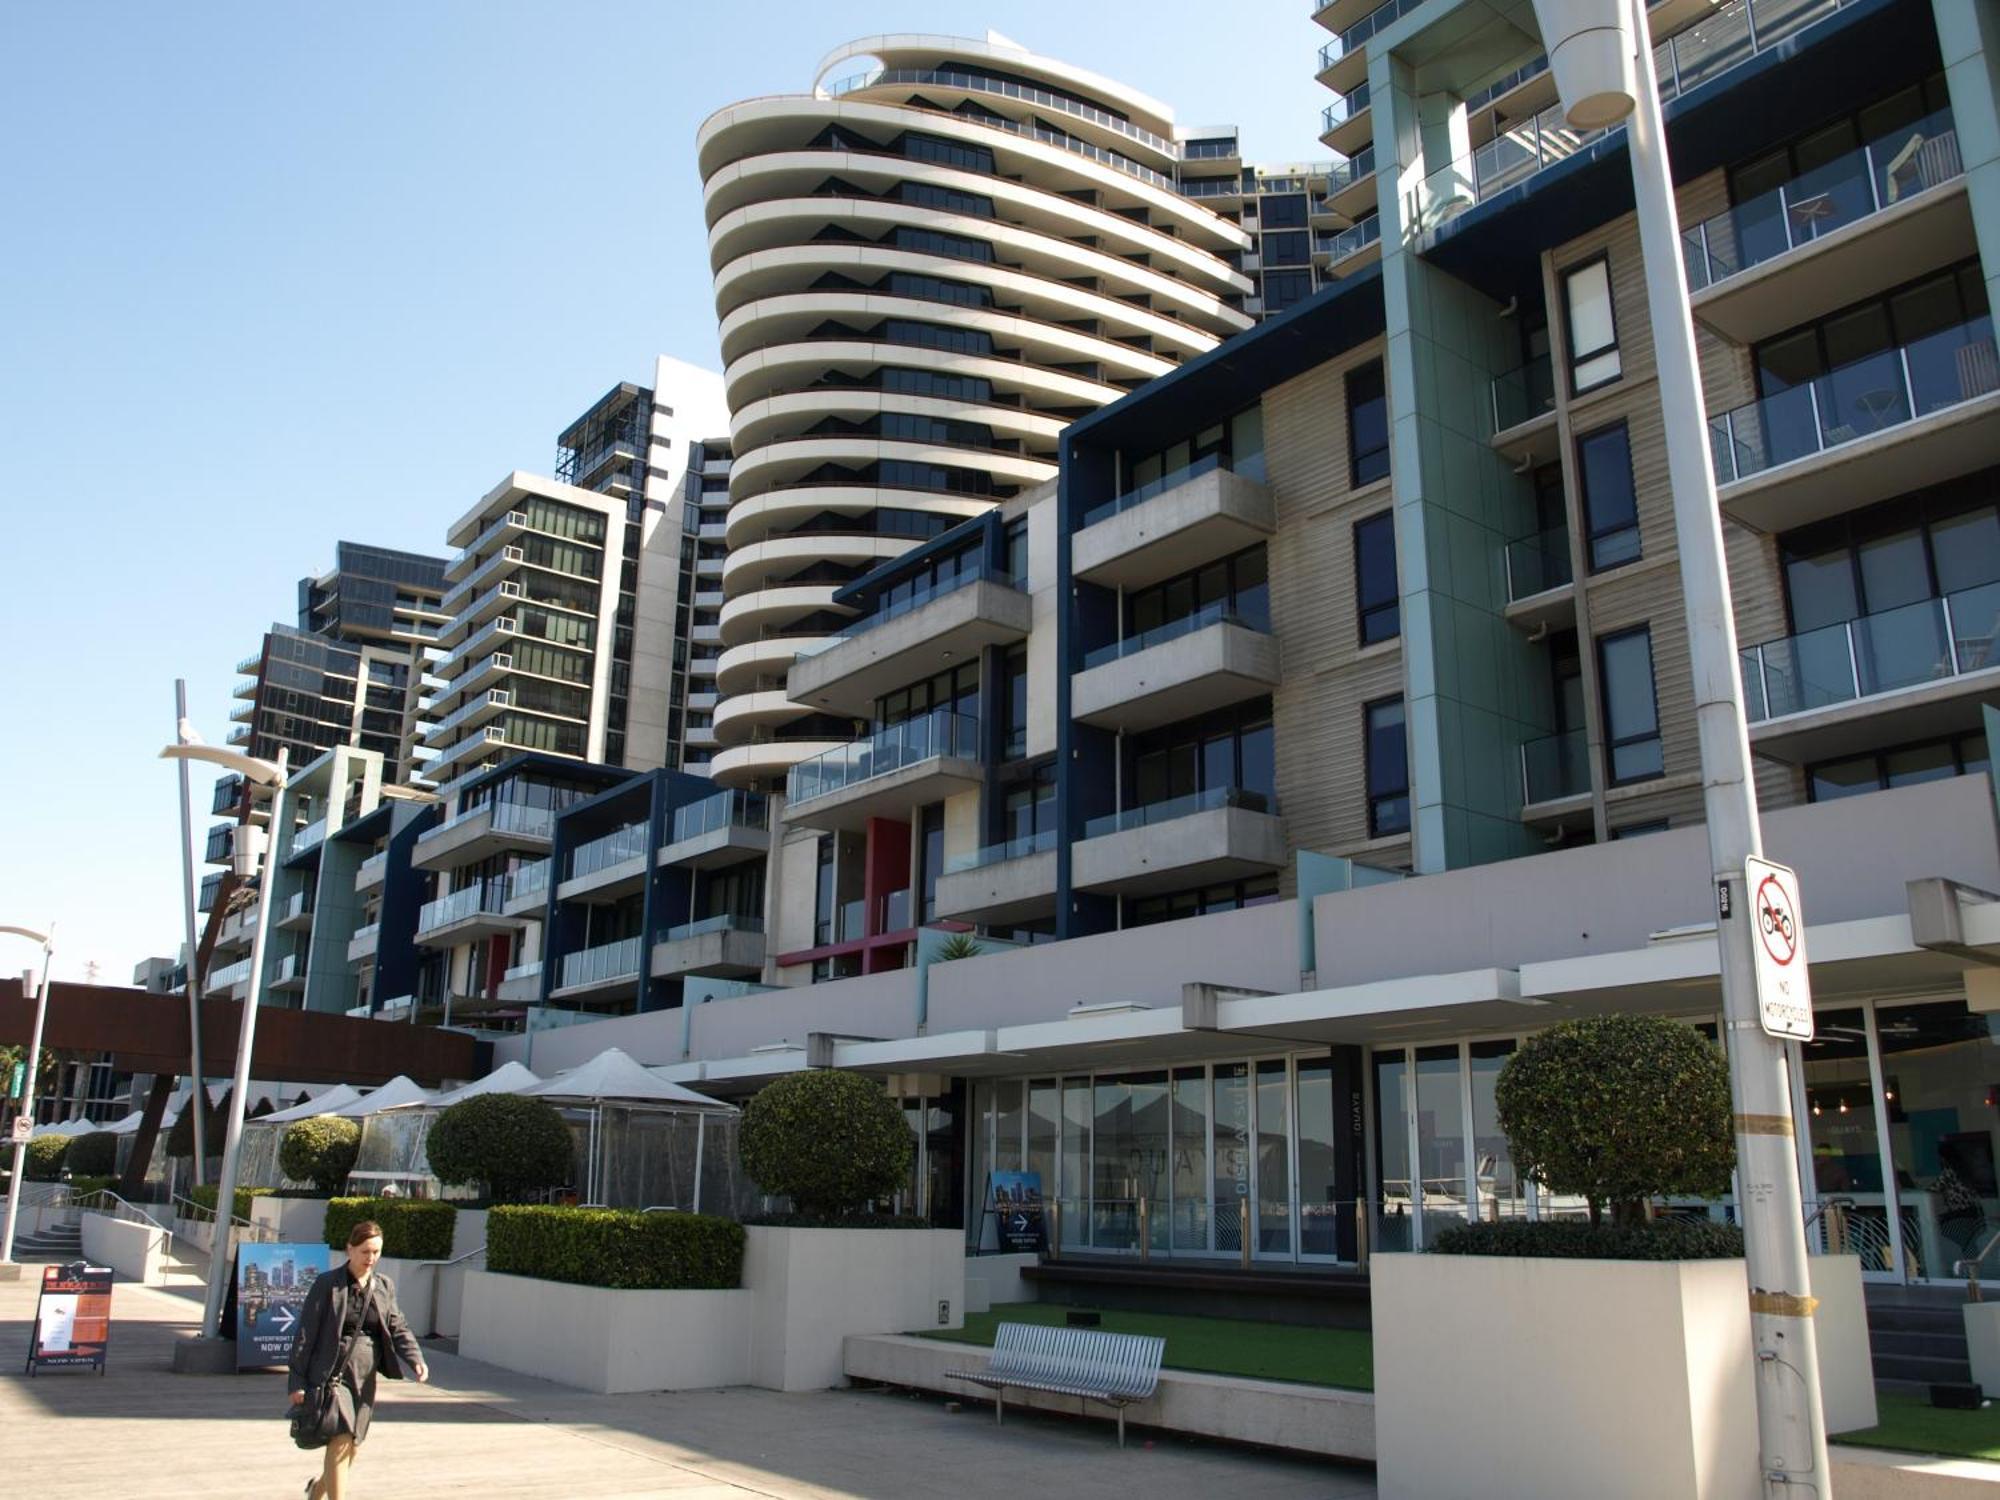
pixel 1917 1334
pixel 58 1242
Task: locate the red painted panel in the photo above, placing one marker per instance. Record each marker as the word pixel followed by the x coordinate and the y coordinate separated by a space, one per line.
pixel 885 868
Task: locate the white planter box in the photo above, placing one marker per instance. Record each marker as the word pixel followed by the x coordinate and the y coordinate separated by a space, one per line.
pixel 297 1221
pixel 991 1279
pixel 1846 1360
pixel 1538 1379
pixel 137 1252
pixel 416 1291
pixel 814 1287
pixel 1982 1342
pixel 607 1341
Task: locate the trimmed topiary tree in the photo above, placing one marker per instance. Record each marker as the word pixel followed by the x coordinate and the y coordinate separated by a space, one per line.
pixel 45 1158
pixel 515 1144
pixel 1619 1109
pixel 320 1151
pixel 93 1155
pixel 831 1142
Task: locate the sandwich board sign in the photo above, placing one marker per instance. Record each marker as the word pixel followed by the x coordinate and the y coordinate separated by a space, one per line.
pixel 1778 943
pixel 72 1319
pixel 271 1286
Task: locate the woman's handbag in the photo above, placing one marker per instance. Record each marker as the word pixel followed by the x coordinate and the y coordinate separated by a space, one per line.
pixel 316 1420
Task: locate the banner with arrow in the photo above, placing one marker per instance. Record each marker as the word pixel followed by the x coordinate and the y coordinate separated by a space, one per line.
pixel 271 1286
pixel 1017 1209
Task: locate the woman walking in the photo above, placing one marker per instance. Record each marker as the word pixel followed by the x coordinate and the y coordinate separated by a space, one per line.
pixel 351 1310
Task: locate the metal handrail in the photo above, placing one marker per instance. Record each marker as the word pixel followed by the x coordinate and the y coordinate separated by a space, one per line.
pixel 1970 1268
pixel 481 1250
pixel 202 1214
pixel 85 1201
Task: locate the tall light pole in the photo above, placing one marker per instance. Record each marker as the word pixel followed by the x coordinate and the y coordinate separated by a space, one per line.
pixel 250 842
pixel 1601 54
pixel 9 1271
pixel 186 736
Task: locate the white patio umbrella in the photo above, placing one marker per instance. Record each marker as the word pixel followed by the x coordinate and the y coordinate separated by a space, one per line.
pixel 512 1078
pixel 332 1101
pixel 613 1077
pixel 398 1091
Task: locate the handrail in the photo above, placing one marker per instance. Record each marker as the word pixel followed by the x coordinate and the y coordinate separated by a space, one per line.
pixel 203 1214
pixel 1970 1268
pixel 481 1250
pixel 85 1201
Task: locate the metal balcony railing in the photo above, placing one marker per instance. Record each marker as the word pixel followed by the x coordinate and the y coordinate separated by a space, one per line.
pixel 1554 767
pixel 614 848
pixel 995 854
pixel 1344 107
pixel 723 810
pixel 1538 563
pixel 602 964
pixel 1931 640
pixel 971 83
pixel 1350 241
pixel 1524 393
pixel 1364 30
pixel 902 745
pixel 484 897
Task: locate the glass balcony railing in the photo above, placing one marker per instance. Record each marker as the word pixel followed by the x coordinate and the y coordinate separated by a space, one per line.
pixel 529 970
pixel 526 880
pixel 723 810
pixel 298 904
pixel 1731 34
pixel 1173 808
pixel 1524 393
pixel 902 745
pixel 1219 613
pixel 894 609
pixel 309 837
pixel 1857 400
pixel 614 848
pixel 1344 108
pixel 602 964
pixel 484 897
pixel 1207 464
pixel 1538 563
pixel 373 869
pixel 1885 172
pixel 1364 30
pixel 893 912
pixel 1555 767
pixel 229 974
pixel 366 931
pixel 1027 94
pixel 996 854
pixel 1928 641
pixel 723 922
pixel 1350 241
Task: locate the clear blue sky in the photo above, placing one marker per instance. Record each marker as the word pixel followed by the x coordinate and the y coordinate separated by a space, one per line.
pixel 281 274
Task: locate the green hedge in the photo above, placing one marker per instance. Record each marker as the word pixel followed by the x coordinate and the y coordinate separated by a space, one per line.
pixel 1576 1239
pixel 612 1248
pixel 93 1155
pixel 91 1183
pixel 412 1228
pixel 205 1196
pixel 45 1158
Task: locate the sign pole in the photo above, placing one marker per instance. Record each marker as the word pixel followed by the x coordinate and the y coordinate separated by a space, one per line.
pixel 27 1108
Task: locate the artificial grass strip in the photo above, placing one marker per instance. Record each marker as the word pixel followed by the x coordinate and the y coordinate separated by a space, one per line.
pixel 1341 1357
pixel 1912 1425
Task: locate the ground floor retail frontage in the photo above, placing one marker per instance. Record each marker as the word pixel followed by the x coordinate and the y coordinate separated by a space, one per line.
pixel 1324 1155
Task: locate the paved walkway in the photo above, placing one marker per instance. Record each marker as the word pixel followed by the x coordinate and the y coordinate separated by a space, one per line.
pixel 141 1431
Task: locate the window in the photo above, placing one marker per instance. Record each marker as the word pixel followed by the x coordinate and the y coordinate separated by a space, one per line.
pixel 1387 748
pixel 823 895
pixel 1014 703
pixel 1631 713
pixel 1375 590
pixel 1144 911
pixel 1283 211
pixel 930 830
pixel 1230 751
pixel 1367 424
pixel 1017 551
pixel 1236 587
pixel 1284 288
pixel 1905 765
pixel 1610 505
pixel 1291 247
pixel 1593 326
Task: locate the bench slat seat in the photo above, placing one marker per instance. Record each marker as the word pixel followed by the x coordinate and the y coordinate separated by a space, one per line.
pixel 1113 1369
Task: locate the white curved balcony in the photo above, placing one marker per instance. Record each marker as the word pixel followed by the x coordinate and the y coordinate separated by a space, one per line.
pixel 738 668
pixel 771 562
pixel 745 618
pixel 790 459
pixel 796 365
pixel 739 718
pixel 778 511
pixel 742 767
pixel 773 417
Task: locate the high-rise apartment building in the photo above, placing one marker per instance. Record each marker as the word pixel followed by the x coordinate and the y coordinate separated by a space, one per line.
pixel 923 272
pixel 569 615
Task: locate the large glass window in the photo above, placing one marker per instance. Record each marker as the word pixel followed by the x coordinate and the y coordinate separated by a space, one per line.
pixel 1394 1228
pixel 1319 1205
pixel 1631 712
pixel 1593 326
pixel 1502 1194
pixel 1233 588
pixel 1367 424
pixel 1938 1080
pixel 1274 1159
pixel 1190 1145
pixel 1375 588
pixel 1232 1154
pixel 1903 765
pixel 1610 502
pixel 1387 750
pixel 1230 750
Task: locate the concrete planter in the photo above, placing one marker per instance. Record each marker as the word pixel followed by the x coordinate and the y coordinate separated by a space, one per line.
pixel 1846 1360
pixel 815 1287
pixel 296 1221
pixel 1982 1342
pixel 416 1291
pixel 468 1236
pixel 597 1339
pixel 991 1279
pixel 138 1252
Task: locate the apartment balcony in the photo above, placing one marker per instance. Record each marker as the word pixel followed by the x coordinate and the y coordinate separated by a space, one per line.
pixel 470 714
pixel 221 845
pixel 1541 588
pixel 372 872
pixel 1555 776
pixel 245 688
pixel 1339 252
pixel 1343 62
pixel 228 982
pixel 495 601
pixel 465 916
pixel 1348 124
pixel 728 828
pixel 1172 525
pixel 240 735
pixel 1207 660
pixel 1524 413
pixel 496 567
pixel 522 984
pixel 479 676
pixel 502 631
pixel 1351 193
pixel 887 775
pixel 1904 674
pixel 503 529
pixel 242 713
pixel 1221 834
pixel 1881 426
pixel 1001 884
pixel 608 867
pixel 250 665
pixel 486 829
pixel 364 942
pixel 525 891
pixel 1853 227
pixel 307 839
pixel 288 975
pixel 295 913
pixel 718 947
pixel 608 971
pixel 951 621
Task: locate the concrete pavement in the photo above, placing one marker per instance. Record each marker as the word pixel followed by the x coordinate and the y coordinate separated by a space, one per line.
pixel 141 1430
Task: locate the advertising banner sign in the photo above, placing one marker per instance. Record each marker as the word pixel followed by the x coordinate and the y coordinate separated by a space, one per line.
pixel 1017 1207
pixel 271 1286
pixel 73 1318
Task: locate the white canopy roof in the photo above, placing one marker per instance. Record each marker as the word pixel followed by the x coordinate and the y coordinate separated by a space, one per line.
pixel 512 1078
pixel 69 1127
pixel 402 1089
pixel 613 1076
pixel 334 1100
pixel 130 1124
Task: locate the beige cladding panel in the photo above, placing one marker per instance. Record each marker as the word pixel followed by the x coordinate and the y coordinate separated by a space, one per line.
pixel 962 833
pixel 1045 601
pixel 792 920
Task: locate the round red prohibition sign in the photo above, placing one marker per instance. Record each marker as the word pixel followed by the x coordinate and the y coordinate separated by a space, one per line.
pixel 1777 927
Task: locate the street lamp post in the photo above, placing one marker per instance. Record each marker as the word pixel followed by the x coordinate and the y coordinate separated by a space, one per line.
pixel 9 1270
pixel 188 737
pixel 251 840
pixel 1601 54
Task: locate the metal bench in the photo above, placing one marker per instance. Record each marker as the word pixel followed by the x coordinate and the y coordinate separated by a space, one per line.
pixel 1113 1369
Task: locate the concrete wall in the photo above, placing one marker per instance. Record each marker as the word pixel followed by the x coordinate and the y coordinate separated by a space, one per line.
pixel 1846 1360
pixel 607 1341
pixel 815 1287
pixel 138 1252
pixel 996 1279
pixel 416 1291
pixel 877 1005
pixel 296 1221
pixel 1608 897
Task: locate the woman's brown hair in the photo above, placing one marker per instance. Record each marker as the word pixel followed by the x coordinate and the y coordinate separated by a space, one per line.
pixel 363 1232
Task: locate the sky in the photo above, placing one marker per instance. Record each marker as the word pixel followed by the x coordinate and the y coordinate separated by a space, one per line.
pixel 277 275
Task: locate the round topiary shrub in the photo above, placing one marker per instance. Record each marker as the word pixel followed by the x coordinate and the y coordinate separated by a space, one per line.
pixel 514 1144
pixel 45 1158
pixel 1619 1110
pixel 831 1142
pixel 320 1151
pixel 93 1155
